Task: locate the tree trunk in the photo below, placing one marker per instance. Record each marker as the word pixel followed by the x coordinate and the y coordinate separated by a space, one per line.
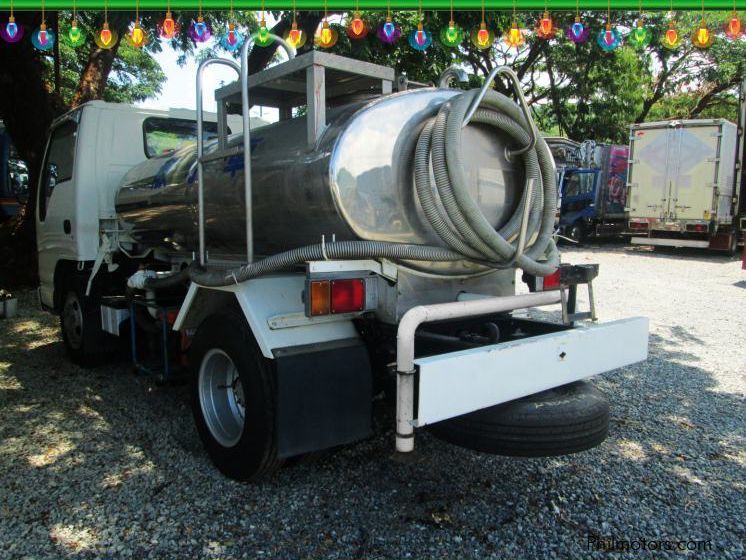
pixel 95 74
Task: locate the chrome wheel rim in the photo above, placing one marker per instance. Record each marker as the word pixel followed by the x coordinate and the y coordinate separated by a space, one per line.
pixel 221 397
pixel 72 318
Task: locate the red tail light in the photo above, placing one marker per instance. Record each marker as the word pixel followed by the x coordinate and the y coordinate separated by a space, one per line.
pixel 638 225
pixel 348 295
pixel 552 282
pixel 701 228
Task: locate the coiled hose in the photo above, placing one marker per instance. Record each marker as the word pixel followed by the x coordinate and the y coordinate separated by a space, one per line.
pixel 457 220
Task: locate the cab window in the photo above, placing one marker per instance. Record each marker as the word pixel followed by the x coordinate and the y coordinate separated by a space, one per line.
pixel 580 183
pixel 58 162
pixel 164 136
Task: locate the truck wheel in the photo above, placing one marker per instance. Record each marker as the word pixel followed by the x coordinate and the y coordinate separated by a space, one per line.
pixel 559 421
pixel 80 322
pixel 577 233
pixel 233 398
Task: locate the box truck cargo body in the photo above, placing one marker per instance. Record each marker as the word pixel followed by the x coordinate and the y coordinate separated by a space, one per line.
pixel 681 180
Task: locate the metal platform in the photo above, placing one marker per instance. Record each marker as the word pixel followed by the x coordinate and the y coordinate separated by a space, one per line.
pixel 302 81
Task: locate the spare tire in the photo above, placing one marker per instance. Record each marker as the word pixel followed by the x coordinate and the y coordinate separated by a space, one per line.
pixel 563 420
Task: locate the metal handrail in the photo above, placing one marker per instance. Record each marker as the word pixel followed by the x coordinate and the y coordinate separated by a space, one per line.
pixel 521 102
pixel 243 73
pixel 200 152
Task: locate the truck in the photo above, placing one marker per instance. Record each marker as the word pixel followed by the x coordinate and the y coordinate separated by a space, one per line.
pixel 594 192
pixel 684 184
pixel 292 272
pixel 13 178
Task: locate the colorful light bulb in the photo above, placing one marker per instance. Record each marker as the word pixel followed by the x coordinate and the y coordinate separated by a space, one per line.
pixel 671 39
pixel 169 28
pixel 11 32
pixel 11 28
pixel 200 31
pixel 420 39
pixel 482 38
pixel 545 29
pixel 640 36
pixel 389 32
pixel 231 40
pixel 43 38
pixel 514 37
pixel 452 35
pixel 75 35
pixel 577 32
pixel 296 37
pixel 733 27
pixel 105 38
pixel 702 38
pixel 137 37
pixel 263 37
pixel 609 39
pixel 327 37
pixel 357 29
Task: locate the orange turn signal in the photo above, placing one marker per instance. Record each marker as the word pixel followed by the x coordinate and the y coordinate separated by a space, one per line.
pixel 320 297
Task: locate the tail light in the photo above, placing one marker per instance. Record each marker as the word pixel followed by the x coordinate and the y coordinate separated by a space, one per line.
pixel 699 228
pixel 638 225
pixel 336 296
pixel 542 284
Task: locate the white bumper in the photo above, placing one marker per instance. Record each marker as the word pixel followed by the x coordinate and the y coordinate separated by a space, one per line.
pixel 468 380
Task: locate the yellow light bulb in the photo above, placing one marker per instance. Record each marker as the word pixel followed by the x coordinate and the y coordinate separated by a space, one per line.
pixel 703 35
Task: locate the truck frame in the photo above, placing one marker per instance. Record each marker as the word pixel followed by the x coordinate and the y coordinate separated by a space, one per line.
pixel 272 377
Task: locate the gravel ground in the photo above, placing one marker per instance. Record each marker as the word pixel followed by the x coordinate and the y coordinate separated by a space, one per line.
pixel 104 464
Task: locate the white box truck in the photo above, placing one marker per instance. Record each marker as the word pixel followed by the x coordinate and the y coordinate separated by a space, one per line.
pixel 295 270
pixel 682 182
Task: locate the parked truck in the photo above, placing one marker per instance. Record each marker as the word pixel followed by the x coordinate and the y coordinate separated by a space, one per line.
pixel 594 192
pixel 295 270
pixel 684 184
pixel 13 178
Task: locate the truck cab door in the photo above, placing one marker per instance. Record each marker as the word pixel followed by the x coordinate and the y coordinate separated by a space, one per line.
pixel 55 211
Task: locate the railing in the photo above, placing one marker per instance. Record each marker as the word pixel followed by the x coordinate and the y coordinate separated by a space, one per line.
pixel 243 73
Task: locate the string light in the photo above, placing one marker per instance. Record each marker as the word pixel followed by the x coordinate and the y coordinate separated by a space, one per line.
pixel 482 38
pixel 388 32
pixel 169 28
pixel 327 37
pixel 609 39
pixel 514 37
pixel 11 32
pixel 577 32
pixel 671 39
pixel 43 38
pixel 545 28
pixel 357 28
pixel 733 28
pixel 296 37
pixel 420 39
pixel 702 38
pixel 640 35
pixel 231 40
pixel 452 35
pixel 200 30
pixel 75 35
pixel 137 37
pixel 263 37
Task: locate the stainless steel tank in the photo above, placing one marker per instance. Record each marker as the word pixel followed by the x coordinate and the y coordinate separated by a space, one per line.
pixel 356 183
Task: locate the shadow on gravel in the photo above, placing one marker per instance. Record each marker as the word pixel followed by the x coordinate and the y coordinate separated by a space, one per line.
pixel 95 460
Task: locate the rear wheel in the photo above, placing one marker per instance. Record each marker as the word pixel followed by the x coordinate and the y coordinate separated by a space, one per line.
pixel 559 421
pixel 233 399
pixel 80 322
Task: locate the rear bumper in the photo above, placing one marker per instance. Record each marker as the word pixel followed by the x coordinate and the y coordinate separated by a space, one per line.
pixel 453 384
pixel 670 242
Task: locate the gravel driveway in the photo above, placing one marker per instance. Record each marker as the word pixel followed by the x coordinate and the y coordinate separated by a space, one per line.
pixel 103 463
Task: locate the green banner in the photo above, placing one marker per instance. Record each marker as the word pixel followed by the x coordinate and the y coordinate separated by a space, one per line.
pixel 347 5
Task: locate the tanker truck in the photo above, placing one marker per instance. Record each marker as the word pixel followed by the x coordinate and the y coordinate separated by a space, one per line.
pixel 295 271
